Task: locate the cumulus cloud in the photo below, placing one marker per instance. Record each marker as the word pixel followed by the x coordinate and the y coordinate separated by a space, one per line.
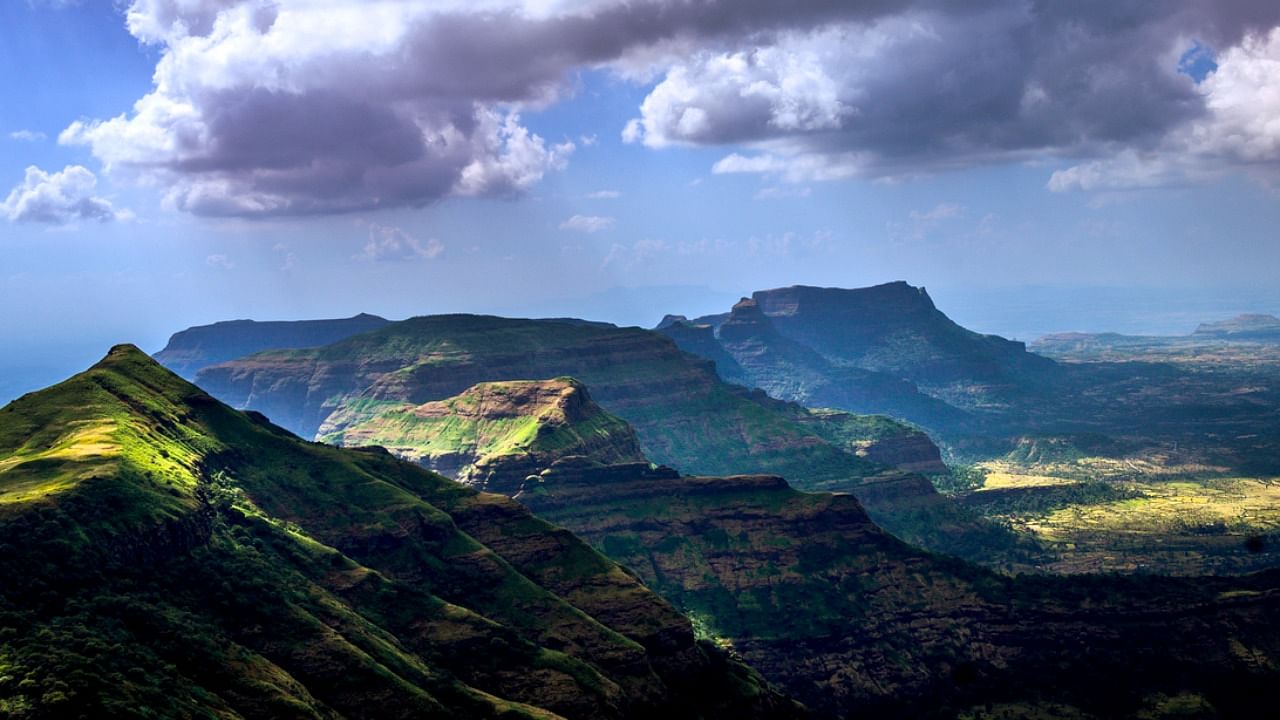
pixel 27 135
pixel 921 87
pixel 287 107
pixel 391 244
pixel 1239 129
pixel 588 223
pixel 58 198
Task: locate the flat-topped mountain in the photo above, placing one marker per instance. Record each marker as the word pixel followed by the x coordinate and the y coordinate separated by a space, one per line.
pixel 883 349
pixel 1242 327
pixel 164 555
pixel 495 434
pixel 198 347
pixel 683 414
pixel 760 355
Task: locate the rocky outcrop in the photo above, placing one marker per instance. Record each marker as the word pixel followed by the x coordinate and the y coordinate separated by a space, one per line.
pixel 494 435
pixel 198 347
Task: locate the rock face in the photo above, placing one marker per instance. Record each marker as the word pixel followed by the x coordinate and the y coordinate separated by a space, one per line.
pixel 761 356
pixel 885 349
pixel 493 435
pixel 1251 327
pixel 167 556
pixel 684 415
pixel 857 624
pixel 195 348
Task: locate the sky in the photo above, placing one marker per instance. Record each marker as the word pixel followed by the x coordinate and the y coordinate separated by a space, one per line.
pixel 1039 166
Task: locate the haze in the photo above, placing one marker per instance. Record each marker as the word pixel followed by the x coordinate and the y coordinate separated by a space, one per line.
pixel 1038 166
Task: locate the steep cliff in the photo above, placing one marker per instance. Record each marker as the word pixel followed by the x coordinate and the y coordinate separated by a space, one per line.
pixel 166 556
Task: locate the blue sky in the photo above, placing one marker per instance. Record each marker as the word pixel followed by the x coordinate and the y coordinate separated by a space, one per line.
pixel 823 147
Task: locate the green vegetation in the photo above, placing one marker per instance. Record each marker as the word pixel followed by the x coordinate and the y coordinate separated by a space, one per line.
pixel 854 622
pixel 166 556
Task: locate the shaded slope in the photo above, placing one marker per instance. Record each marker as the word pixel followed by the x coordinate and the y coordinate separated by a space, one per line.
pixel 895 328
pixel 786 369
pixel 166 554
pixel 856 623
pixel 198 347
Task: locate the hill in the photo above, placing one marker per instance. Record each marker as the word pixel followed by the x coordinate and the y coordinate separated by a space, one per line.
pixel 198 347
pixel 1251 327
pixel 167 556
pixel 857 624
pixel 495 434
pixel 883 349
pixel 683 414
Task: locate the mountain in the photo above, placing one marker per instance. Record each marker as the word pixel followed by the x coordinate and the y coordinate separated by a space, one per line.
pixel 195 348
pixel 495 434
pixel 761 356
pixel 684 415
pixel 895 328
pixel 166 556
pixel 857 624
pixel 1255 327
pixel 883 349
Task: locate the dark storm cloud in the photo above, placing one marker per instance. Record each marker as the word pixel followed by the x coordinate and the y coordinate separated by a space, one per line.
pixel 288 107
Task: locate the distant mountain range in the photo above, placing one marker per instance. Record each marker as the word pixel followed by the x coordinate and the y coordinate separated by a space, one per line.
pixel 165 554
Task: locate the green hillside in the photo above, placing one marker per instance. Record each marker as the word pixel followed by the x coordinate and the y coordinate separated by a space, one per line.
pixel 166 556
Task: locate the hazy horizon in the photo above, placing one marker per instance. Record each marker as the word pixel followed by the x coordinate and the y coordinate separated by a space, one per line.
pixel 1039 168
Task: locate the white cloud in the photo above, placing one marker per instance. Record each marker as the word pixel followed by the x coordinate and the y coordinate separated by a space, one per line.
pixel 220 262
pixel 59 198
pixel 779 193
pixel 27 135
pixel 1239 129
pixel 723 97
pixel 604 195
pixel 391 244
pixel 920 224
pixel 588 223
pixel 296 107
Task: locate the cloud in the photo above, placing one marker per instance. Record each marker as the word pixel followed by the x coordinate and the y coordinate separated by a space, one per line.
pixel 779 193
pixel 59 198
pixel 1238 130
pixel 921 87
pixel 294 107
pixel 920 224
pixel 391 244
pixel 588 223
pixel 220 262
pixel 27 135
pixel 604 195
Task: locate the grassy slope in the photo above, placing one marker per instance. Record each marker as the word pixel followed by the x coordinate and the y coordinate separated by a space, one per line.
pixel 524 417
pixel 683 414
pixel 164 554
